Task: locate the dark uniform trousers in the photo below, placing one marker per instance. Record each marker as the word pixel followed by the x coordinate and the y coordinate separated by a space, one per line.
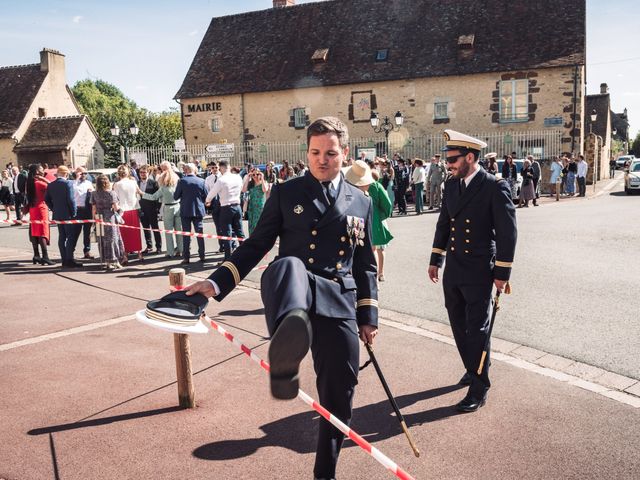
pixel 477 231
pixel 326 267
pixel 85 213
pixel 149 219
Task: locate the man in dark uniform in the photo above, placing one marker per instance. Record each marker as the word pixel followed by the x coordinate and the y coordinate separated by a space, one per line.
pixel 477 231
pixel 320 291
pixel 402 178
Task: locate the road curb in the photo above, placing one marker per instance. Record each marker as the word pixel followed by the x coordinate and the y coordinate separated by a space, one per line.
pixel 597 380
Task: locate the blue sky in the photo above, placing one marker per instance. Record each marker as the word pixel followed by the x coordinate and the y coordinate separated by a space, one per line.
pixel 145 47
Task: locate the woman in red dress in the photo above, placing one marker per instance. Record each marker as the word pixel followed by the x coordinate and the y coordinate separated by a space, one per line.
pixel 38 210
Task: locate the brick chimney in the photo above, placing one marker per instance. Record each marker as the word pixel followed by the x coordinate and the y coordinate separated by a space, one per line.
pixel 51 61
pixel 604 88
pixel 283 3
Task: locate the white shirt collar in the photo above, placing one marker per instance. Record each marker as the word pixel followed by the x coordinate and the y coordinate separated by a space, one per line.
pixel 470 177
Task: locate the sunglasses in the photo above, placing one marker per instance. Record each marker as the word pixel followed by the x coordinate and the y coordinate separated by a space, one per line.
pixel 454 158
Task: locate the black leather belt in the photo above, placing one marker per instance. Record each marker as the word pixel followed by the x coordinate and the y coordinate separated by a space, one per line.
pixel 168 204
pixel 232 205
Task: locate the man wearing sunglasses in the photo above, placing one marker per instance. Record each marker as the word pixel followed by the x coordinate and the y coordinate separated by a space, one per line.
pixel 477 232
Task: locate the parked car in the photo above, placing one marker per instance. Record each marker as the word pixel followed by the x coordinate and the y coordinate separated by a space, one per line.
pixel 622 160
pixel 632 178
pixel 519 164
pixel 112 173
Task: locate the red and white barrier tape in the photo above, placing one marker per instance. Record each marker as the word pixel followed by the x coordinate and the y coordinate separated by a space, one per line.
pixel 160 230
pixel 361 442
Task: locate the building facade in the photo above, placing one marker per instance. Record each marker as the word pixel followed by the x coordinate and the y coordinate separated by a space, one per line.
pixel 37 115
pixel 478 67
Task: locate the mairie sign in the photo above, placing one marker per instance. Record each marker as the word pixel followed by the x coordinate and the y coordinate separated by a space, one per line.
pixel 220 150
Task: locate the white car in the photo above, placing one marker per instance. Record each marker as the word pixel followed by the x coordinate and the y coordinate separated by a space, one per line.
pixel 519 164
pixel 622 160
pixel 632 178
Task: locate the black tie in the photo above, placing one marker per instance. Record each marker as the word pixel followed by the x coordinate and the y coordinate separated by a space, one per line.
pixel 330 191
pixel 463 187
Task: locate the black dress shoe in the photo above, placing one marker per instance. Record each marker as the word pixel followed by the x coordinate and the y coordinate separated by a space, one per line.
pixel 288 347
pixel 471 402
pixel 466 379
pixel 202 259
pixel 146 251
pixel 185 262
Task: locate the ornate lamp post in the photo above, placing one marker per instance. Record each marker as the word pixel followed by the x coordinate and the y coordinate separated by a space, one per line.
pixel 124 138
pixel 594 116
pixel 386 126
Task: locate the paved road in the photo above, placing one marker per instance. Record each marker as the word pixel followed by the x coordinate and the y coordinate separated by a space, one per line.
pixel 574 278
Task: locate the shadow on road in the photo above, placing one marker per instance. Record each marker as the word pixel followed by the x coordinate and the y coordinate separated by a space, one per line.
pixel 374 422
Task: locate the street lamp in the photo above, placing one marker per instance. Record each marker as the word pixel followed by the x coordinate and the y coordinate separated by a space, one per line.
pixel 124 138
pixel 386 126
pixel 594 116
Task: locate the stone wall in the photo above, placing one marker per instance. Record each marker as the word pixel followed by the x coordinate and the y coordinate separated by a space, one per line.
pixel 472 107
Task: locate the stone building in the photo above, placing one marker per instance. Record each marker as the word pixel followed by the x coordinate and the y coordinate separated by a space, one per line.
pixel 598 133
pixel 494 67
pixel 40 120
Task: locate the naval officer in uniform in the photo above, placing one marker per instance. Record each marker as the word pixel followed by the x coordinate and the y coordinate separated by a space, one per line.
pixel 320 291
pixel 477 232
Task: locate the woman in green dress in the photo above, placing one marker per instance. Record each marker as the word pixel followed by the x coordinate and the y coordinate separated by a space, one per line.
pixel 258 189
pixel 360 175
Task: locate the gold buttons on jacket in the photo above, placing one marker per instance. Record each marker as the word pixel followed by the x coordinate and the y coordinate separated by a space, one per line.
pixel 453 248
pixel 466 251
pixel 453 229
pixel 314 232
pixel 343 239
pixel 311 260
pixel 467 240
pixel 338 266
pixel 467 230
pixel 453 239
pixel 453 219
pixel 312 246
pixel 467 221
pixel 341 252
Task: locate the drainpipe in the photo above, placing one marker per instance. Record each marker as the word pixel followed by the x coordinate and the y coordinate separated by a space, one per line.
pixel 575 107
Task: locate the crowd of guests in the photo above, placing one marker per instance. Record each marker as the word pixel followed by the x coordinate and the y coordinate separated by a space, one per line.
pixel 182 197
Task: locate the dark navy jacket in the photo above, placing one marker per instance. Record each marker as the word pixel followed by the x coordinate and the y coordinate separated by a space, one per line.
pixel 192 193
pixel 476 230
pixel 333 242
pixel 61 200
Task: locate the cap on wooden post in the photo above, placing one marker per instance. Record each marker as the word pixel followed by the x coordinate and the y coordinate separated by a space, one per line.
pixel 182 348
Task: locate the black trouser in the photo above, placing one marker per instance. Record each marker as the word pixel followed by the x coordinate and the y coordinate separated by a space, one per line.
pixel 186 239
pixel 67 239
pixel 231 226
pixel 286 285
pixel 401 198
pixel 469 308
pixel 215 216
pixel 149 219
pixel 18 201
pixel 84 213
pixel 582 186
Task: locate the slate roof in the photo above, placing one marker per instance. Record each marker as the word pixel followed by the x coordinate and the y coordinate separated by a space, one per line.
pixel 271 49
pixel 601 103
pixel 50 134
pixel 18 88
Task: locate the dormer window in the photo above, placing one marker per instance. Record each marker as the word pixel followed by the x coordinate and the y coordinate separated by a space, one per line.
pixel 382 55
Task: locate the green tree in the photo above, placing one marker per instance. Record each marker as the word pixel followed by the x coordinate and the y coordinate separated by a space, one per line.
pixel 635 146
pixel 104 104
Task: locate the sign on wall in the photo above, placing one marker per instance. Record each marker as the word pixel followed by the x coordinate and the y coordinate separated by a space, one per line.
pixel 180 144
pixel 220 150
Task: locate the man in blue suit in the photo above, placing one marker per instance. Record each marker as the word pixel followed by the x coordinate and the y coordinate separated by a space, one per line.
pixel 320 292
pixel 61 200
pixel 191 192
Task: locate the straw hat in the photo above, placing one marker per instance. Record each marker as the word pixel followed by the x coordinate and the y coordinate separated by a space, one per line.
pixel 359 174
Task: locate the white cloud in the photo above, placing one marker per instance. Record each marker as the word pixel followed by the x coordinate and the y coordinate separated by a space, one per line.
pixel 141 87
pixel 77 18
pixel 193 33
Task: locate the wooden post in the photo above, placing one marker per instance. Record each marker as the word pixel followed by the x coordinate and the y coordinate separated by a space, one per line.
pixel 182 348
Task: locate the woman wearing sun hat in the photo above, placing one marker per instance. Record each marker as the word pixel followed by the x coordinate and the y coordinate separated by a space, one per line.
pixel 359 175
